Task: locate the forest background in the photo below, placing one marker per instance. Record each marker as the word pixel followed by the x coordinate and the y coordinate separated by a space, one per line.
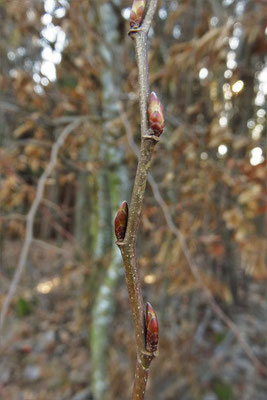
pixel 68 68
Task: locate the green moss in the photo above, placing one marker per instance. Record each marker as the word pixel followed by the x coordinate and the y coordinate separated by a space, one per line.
pixel 223 390
pixel 23 307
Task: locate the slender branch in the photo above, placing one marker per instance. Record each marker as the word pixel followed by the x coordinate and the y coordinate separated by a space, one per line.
pixel 139 36
pixel 128 245
pixel 147 148
pixel 149 16
pixel 49 246
pixel 31 218
pixel 140 39
pixel 194 269
pixel 191 262
pixel 12 216
pixel 140 379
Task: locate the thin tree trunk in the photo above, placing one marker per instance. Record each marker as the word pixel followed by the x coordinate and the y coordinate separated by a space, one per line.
pixel 103 309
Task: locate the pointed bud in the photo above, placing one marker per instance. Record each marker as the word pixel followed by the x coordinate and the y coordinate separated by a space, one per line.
pixel 152 329
pixel 137 13
pixel 121 221
pixel 155 114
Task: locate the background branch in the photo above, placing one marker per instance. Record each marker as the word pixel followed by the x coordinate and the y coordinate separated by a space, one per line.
pixel 31 218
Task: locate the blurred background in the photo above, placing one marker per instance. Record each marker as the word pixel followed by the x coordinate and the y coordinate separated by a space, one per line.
pixel 68 67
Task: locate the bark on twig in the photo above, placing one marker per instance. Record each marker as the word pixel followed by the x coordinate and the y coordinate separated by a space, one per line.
pixel 31 218
pixel 128 245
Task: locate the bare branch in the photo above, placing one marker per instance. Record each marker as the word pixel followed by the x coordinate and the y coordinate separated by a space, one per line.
pixel 149 15
pixel 73 118
pixel 49 246
pixel 12 216
pixel 194 269
pixel 139 35
pixel 31 218
pixel 128 245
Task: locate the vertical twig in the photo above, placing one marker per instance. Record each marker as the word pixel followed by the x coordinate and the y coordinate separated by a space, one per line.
pixel 128 245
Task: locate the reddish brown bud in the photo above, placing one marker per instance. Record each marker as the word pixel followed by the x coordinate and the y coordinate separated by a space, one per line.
pixel 137 13
pixel 121 221
pixel 152 329
pixel 155 114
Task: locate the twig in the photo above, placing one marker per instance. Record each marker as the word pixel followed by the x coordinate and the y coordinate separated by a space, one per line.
pixel 128 245
pixel 149 16
pixel 25 142
pixel 57 226
pixel 31 218
pixel 194 269
pixel 70 119
pixel 191 262
pixel 58 210
pixel 12 216
pixel 49 246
